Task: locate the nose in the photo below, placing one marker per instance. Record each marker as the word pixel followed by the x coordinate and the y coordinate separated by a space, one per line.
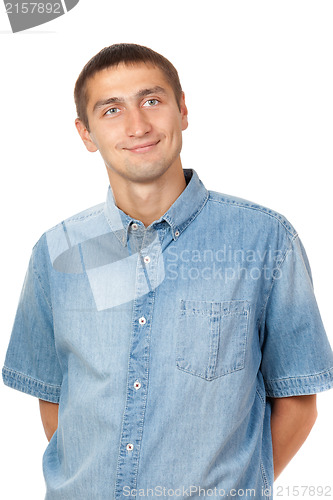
pixel 138 123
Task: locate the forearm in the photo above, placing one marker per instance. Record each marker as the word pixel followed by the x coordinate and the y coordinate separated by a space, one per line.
pixel 291 422
pixel 49 415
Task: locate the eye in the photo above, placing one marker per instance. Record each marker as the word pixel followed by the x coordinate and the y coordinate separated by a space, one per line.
pixel 151 102
pixel 112 111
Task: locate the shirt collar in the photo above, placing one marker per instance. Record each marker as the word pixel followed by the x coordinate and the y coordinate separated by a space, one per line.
pixel 181 213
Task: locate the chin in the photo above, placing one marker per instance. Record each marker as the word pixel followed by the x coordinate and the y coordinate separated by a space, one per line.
pixel 147 171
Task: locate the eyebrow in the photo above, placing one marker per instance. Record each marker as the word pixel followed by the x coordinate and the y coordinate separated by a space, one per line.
pixel 138 95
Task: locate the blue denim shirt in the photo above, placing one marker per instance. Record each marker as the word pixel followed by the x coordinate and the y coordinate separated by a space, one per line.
pixel 162 346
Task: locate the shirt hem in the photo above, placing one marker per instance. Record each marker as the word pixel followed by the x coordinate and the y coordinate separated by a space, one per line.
pixel 28 385
pixel 300 386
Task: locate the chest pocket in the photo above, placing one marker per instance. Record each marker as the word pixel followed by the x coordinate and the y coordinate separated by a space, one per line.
pixel 212 337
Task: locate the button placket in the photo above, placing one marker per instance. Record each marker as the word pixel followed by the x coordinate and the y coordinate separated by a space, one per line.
pixel 151 258
pixel 136 390
pixel 138 366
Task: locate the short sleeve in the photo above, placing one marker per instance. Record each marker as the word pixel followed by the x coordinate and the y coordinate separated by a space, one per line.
pixel 31 363
pixel 297 358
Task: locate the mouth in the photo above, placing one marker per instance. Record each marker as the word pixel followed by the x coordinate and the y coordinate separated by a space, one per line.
pixel 143 148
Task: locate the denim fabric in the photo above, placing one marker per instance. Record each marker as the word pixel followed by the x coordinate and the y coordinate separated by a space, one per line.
pixel 162 346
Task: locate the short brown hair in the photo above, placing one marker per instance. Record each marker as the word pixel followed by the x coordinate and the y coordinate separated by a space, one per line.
pixel 127 53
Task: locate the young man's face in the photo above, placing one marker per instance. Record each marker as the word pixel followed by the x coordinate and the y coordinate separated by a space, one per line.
pixel 134 121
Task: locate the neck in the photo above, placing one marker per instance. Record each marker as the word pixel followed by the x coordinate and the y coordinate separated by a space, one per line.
pixel 148 201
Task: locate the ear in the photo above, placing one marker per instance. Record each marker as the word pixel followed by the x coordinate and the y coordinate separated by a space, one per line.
pixel 183 112
pixel 85 136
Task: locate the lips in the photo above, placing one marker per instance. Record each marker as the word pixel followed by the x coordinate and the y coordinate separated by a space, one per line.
pixel 143 148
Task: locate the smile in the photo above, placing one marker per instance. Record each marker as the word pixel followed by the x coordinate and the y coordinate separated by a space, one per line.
pixel 143 148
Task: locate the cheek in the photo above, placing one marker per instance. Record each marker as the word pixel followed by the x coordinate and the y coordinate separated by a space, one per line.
pixel 108 139
pixel 176 127
pixel 171 125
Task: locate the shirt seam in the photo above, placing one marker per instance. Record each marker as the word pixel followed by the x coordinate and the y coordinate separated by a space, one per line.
pixel 262 467
pixel 263 210
pixel 185 224
pixel 42 288
pixel 288 250
pixel 261 397
pixel 11 372
pixel 300 377
pixel 124 229
pixel 76 219
pixel 264 475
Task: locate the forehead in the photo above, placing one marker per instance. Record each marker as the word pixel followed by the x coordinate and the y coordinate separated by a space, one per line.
pixel 124 80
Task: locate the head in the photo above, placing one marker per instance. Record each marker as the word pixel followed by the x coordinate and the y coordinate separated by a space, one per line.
pixel 127 54
pixel 131 109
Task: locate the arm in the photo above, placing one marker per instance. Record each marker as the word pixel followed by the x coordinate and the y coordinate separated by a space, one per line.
pixel 291 422
pixel 49 414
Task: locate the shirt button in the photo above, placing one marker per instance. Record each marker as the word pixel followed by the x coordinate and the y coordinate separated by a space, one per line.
pixel 129 447
pixel 137 385
pixel 142 320
pixel 147 259
pixel 134 226
pixel 177 233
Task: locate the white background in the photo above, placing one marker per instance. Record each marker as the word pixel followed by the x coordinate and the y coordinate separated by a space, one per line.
pixel 258 80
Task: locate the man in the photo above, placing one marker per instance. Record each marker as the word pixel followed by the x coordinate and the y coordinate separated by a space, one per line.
pixel 174 329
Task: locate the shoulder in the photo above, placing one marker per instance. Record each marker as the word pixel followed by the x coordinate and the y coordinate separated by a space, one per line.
pixel 81 226
pixel 252 211
pixel 84 215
